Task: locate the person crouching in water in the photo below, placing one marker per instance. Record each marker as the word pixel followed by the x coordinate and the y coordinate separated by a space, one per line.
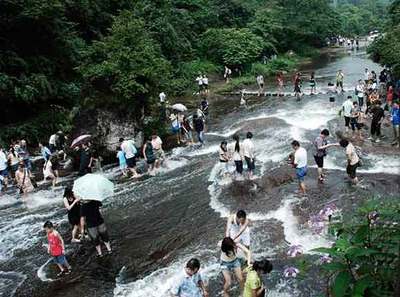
pixel 91 216
pixel 56 248
pixel 254 286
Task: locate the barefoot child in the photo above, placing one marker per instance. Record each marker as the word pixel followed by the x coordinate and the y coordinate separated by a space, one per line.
pixel 56 248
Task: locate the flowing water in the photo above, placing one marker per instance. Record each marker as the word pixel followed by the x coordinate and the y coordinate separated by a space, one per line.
pixel 158 223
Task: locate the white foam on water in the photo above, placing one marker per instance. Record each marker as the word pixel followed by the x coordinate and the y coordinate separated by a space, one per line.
pixel 159 282
pixel 43 198
pixel 292 233
pixel 10 281
pixel 22 232
pixel 315 114
pixel 41 273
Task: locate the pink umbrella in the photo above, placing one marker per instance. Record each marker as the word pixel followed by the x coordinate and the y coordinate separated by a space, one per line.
pixel 80 139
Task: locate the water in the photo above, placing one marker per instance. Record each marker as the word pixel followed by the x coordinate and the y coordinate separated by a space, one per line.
pixel 158 223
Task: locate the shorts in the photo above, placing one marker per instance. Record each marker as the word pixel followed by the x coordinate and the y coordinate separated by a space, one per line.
pixel 239 166
pixel 97 233
pixel 73 219
pixel 230 265
pixel 131 162
pixel 159 154
pixel 301 173
pixel 150 161
pixel 122 166
pixel 61 260
pixel 347 121
pixel 14 168
pixel 351 170
pixel 261 86
pixel 320 161
pixel 4 173
pixel 250 164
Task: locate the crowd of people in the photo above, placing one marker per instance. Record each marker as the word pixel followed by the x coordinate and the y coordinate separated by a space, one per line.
pixel 373 96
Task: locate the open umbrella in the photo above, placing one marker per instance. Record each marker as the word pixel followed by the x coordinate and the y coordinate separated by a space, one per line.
pixel 93 187
pixel 179 107
pixel 80 139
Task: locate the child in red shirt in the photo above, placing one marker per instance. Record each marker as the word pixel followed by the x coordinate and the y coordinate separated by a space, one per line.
pixel 56 248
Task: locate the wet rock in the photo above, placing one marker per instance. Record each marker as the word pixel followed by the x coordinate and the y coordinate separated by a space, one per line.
pixel 106 127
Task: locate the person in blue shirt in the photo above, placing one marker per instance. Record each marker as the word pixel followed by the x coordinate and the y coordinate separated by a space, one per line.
pixel 395 114
pixel 45 152
pixel 189 283
pixel 122 161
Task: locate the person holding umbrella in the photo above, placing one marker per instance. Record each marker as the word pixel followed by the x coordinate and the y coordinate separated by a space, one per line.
pixel 92 189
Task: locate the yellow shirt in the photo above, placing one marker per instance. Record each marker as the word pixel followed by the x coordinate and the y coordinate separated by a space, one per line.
pixel 253 282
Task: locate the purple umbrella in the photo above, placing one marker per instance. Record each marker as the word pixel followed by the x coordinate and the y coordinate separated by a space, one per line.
pixel 81 139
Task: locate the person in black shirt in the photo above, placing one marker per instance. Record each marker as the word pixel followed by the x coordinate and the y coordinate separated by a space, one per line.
pixel 198 124
pixel 91 216
pixel 378 115
pixel 85 158
pixel 73 206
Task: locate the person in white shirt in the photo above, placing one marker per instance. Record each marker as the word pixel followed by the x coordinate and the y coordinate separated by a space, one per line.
pixel 227 74
pixel 205 84
pixel 3 169
pixel 52 143
pixel 360 89
pixel 353 160
pixel 347 107
pixel 163 97
pixel 260 83
pixel 300 163
pixel 367 75
pixel 156 143
pixel 237 228
pixel 199 80
pixel 130 151
pixel 248 153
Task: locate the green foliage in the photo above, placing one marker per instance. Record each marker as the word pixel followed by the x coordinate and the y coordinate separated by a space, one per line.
pixel 366 254
pixel 232 47
pixel 127 64
pixel 282 63
pixel 386 49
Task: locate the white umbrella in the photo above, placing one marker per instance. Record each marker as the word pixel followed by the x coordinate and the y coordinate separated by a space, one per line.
pixel 93 187
pixel 80 139
pixel 179 107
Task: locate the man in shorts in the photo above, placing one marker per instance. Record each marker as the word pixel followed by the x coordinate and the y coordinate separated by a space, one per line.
pixel 352 160
pixel 248 152
pixel 320 146
pixel 156 142
pixel 300 163
pixel 130 151
pixel 347 107
pixel 339 81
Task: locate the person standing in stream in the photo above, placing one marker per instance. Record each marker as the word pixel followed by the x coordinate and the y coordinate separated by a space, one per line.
pixel 73 206
pixel 97 230
pixel 300 163
pixel 320 146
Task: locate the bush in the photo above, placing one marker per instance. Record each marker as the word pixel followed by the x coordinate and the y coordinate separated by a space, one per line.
pixel 365 256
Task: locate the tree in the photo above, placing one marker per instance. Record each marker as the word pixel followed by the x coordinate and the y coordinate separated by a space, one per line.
pixel 126 66
pixel 232 47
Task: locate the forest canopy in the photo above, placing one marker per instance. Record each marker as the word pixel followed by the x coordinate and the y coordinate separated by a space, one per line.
pixel 60 54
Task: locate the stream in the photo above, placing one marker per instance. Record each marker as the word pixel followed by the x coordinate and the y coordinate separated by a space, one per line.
pixel 156 224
